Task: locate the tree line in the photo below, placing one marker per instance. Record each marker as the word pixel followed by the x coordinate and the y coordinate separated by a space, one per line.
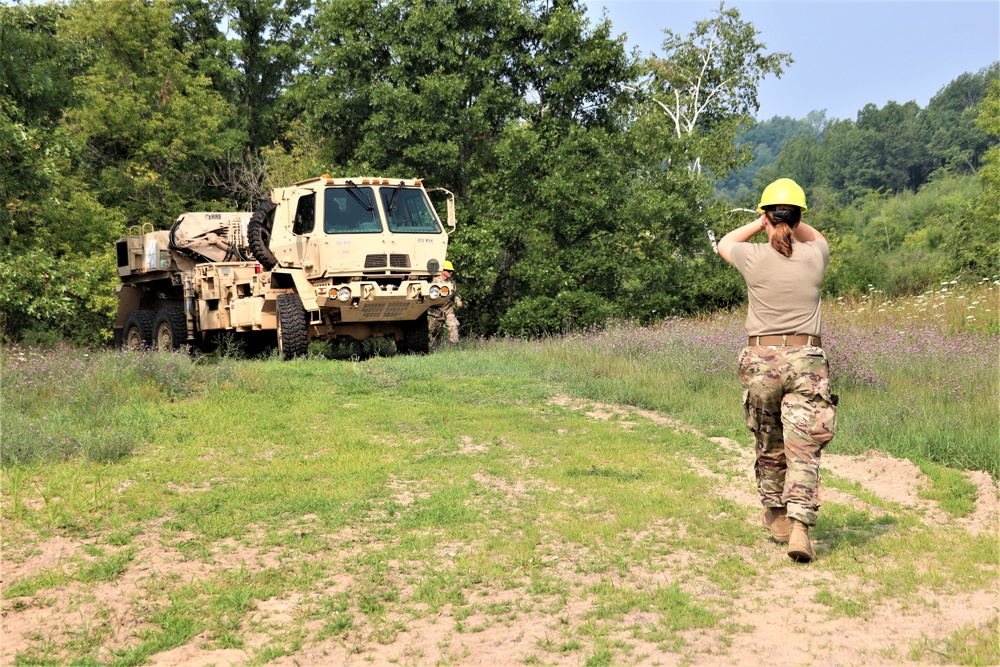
pixel 586 176
pixel 908 195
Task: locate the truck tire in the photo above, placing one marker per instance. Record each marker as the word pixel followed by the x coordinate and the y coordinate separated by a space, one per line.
pixel 170 328
pixel 416 338
pixel 293 340
pixel 259 235
pixel 138 330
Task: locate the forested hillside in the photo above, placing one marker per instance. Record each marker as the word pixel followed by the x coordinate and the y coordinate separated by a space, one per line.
pixel 588 180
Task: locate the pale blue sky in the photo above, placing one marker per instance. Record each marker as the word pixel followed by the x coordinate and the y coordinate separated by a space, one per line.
pixel 847 53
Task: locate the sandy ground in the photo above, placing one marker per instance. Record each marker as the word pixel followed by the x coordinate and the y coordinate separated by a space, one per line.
pixel 779 623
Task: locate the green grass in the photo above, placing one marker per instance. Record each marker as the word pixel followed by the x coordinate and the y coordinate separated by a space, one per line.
pixel 953 492
pixel 973 646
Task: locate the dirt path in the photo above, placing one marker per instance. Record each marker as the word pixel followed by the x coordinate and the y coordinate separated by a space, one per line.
pixel 776 623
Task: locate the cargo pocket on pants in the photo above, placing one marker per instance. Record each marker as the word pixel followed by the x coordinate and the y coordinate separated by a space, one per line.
pixel 751 414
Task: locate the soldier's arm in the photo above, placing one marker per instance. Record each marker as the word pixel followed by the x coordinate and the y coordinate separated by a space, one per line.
pixel 739 235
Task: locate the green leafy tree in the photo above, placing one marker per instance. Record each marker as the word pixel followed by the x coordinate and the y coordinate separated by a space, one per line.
pixel 705 85
pixel 36 73
pixel 556 196
pixel 152 126
pixel 54 235
pixel 416 87
pixel 110 127
pixel 251 50
pixel 897 141
pixel 199 32
pixel 976 243
pixel 894 148
pixel 624 211
pixel 268 48
pixel 798 160
pixel 625 233
pixel 956 141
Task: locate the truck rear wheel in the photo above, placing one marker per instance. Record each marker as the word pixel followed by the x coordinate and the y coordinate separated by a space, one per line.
pixel 259 235
pixel 170 328
pixel 138 330
pixel 293 340
pixel 416 338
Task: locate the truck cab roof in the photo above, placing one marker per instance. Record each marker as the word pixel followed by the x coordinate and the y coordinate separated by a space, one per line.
pixel 326 179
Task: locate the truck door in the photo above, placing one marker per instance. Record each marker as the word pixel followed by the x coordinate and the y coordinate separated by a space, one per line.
pixel 307 251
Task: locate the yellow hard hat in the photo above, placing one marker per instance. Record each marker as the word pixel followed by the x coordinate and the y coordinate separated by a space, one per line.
pixel 782 191
pixel 447 266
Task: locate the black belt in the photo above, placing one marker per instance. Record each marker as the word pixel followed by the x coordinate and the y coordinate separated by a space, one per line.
pixel 785 340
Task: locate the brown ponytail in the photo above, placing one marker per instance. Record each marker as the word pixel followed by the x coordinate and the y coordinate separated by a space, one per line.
pixel 781 240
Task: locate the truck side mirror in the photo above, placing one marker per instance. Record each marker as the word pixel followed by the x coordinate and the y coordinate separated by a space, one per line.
pixel 450 205
pixel 451 212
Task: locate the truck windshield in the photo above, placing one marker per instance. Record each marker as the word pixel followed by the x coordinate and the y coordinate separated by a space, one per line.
pixel 408 211
pixel 350 211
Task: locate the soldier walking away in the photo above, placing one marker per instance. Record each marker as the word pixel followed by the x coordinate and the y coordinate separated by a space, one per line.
pixel 783 370
pixel 444 315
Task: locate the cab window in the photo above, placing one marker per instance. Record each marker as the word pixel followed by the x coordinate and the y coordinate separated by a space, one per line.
pixel 305 215
pixel 409 211
pixel 350 210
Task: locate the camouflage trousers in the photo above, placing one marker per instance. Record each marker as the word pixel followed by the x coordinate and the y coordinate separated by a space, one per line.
pixel 437 321
pixel 788 406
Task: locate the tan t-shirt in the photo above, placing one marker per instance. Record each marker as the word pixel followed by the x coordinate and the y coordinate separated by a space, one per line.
pixel 783 291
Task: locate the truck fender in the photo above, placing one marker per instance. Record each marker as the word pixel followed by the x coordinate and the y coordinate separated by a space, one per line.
pixel 129 297
pixel 303 287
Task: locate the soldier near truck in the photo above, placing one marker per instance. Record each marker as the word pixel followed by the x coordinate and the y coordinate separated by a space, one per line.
pixel 444 314
pixel 323 259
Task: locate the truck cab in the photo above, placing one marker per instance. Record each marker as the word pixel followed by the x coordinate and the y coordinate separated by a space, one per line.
pixel 363 228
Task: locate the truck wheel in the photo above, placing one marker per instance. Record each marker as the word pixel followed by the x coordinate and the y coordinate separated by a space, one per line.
pixel 416 338
pixel 170 328
pixel 293 340
pixel 138 331
pixel 259 235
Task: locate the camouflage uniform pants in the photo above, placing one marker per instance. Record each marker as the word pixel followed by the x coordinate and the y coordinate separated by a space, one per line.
pixel 788 406
pixel 437 321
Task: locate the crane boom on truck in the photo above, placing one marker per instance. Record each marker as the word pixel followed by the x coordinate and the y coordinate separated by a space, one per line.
pixel 322 259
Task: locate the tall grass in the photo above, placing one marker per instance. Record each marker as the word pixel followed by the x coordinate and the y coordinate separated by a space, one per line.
pixel 64 402
pixel 917 377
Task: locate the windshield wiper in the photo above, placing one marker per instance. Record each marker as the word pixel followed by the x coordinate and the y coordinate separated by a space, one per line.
pixel 369 205
pixel 391 205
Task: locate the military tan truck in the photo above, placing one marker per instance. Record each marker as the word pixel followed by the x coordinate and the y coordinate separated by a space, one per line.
pixel 323 259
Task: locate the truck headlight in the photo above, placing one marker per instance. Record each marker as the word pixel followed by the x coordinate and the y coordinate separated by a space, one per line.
pixel 434 292
pixel 344 294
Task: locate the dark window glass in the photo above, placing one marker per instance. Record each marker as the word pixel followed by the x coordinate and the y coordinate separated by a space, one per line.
pixel 305 215
pixel 409 210
pixel 350 211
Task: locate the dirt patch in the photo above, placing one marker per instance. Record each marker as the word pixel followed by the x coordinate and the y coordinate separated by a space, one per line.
pixel 899 481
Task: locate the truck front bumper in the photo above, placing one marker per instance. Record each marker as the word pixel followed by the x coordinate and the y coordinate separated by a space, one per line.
pixel 365 301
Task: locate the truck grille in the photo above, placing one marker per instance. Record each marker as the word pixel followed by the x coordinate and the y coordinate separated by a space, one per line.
pixel 385 311
pixel 381 261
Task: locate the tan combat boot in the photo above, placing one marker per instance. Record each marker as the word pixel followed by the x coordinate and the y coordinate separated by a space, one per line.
pixel 774 520
pixel 800 548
